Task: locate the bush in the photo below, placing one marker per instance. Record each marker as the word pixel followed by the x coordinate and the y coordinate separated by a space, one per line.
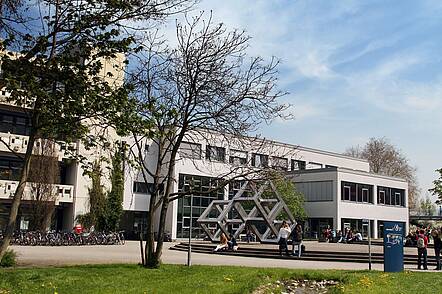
pixel 9 259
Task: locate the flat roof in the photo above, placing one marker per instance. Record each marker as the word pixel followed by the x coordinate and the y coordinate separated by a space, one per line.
pixel 346 170
pixel 299 147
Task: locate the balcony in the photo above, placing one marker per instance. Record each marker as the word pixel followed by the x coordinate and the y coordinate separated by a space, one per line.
pixel 4 100
pixel 65 193
pixel 19 143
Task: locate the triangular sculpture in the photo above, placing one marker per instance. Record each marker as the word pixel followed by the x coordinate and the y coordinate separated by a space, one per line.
pixel 220 214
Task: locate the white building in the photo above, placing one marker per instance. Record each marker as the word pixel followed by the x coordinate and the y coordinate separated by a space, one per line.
pixel 339 190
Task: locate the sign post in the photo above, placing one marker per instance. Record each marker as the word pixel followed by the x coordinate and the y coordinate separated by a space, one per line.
pixel 393 246
pixel 367 221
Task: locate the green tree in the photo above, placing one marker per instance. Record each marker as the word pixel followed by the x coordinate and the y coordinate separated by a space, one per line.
pixel 437 189
pixel 97 197
pixel 292 198
pixel 52 66
pixel 427 207
pixel 114 200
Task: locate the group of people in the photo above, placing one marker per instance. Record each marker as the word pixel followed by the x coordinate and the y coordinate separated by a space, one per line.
pixel 296 239
pixel 349 236
pixel 227 243
pixel 285 233
pixel 420 238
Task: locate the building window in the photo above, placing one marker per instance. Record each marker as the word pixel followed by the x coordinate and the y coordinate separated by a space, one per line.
pixel 357 192
pixel 14 123
pixel 346 194
pixel 391 196
pixel 298 165
pixel 397 197
pixel 214 153
pixel 314 165
pixel 190 150
pixel 280 163
pixel 141 188
pixel 381 198
pixel 237 157
pixel 260 160
pixel 365 197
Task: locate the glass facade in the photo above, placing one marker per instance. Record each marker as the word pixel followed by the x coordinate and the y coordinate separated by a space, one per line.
pixel 201 200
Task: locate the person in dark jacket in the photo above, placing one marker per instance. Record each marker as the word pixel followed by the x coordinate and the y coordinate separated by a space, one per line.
pixel 436 234
pixel 297 239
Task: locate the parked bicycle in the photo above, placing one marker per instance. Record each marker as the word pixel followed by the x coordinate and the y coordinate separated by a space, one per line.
pixel 56 238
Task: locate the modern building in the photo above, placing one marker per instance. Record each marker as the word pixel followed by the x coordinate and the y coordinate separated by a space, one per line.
pixel 339 190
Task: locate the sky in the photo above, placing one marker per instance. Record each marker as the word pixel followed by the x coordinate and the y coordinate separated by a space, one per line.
pixel 353 69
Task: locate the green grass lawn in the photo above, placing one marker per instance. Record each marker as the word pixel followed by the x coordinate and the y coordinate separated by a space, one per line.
pixel 201 279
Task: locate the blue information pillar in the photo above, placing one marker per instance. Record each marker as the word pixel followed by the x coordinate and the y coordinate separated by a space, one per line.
pixel 394 246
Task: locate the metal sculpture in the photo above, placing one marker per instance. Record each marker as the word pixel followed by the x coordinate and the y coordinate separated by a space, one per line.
pixel 266 206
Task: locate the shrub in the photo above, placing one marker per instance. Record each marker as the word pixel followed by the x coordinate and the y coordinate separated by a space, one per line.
pixel 9 259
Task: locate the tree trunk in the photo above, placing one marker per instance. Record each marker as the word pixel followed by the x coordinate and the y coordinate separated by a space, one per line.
pixel 161 227
pixel 150 241
pixel 18 195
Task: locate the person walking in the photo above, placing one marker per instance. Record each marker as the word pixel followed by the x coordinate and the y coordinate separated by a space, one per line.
pixel 297 239
pixel 436 234
pixel 284 233
pixel 422 244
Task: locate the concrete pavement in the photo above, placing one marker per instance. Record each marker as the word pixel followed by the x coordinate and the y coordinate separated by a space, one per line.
pixel 130 253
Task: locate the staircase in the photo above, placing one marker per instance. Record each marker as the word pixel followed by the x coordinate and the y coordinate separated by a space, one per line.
pixel 319 255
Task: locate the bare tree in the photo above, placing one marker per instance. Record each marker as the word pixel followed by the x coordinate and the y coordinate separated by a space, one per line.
pixel 43 176
pixel 386 159
pixel 204 88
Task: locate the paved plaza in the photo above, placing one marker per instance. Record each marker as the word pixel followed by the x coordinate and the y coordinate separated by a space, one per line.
pixel 130 253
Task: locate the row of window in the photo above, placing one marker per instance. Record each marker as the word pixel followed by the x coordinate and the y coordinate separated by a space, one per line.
pixel 14 123
pixel 239 157
pixel 145 188
pixel 10 169
pixel 363 193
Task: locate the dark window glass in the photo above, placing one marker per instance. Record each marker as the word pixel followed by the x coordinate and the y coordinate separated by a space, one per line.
pixel 215 153
pixel 298 165
pixel 260 160
pixel 357 192
pixel 140 187
pixel 347 191
pixel 280 163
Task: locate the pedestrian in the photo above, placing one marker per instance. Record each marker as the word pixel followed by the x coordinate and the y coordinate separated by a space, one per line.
pixel 422 243
pixel 297 239
pixel 436 234
pixel 283 235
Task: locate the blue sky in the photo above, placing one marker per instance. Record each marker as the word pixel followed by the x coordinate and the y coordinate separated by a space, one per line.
pixel 354 70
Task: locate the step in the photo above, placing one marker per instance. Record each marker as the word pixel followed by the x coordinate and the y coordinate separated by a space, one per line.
pixel 359 257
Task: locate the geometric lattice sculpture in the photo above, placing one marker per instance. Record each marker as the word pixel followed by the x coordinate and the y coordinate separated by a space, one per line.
pixel 249 208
